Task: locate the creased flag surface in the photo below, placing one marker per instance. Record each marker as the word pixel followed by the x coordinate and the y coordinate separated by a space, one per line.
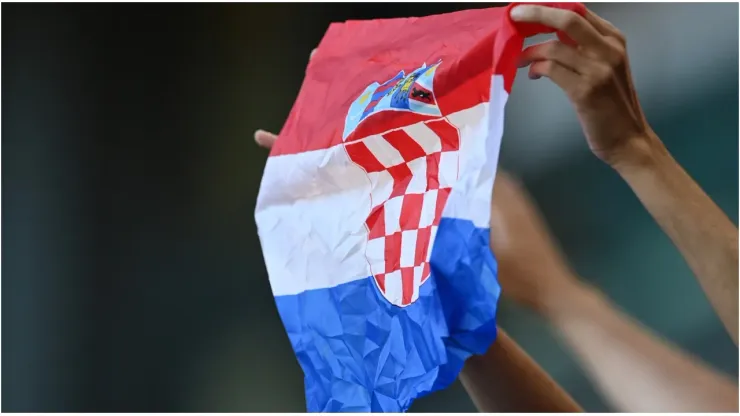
pixel 374 207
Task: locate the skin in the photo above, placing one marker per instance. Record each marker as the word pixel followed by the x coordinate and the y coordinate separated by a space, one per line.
pixel 506 379
pixel 632 367
pixel 594 73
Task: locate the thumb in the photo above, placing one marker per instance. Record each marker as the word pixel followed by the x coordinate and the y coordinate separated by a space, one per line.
pixel 265 139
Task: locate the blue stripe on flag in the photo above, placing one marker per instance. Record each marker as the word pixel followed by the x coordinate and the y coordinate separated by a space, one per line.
pixel 359 353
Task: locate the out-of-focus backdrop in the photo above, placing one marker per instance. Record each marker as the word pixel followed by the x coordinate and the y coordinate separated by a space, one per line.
pixel 132 273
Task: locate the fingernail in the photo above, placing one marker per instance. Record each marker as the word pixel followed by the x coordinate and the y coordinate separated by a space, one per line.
pixel 518 12
pixel 258 136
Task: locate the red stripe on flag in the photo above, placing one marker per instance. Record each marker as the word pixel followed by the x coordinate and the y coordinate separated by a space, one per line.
pixel 338 74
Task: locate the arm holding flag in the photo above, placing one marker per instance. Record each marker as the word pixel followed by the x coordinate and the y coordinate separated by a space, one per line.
pixel 634 369
pixel 506 379
pixel 596 77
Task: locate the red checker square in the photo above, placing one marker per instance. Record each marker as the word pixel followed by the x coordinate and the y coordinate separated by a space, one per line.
pixel 376 222
pixel 426 272
pixel 380 278
pixel 447 133
pixel 442 197
pixel 422 245
pixel 405 144
pixel 401 177
pixel 407 285
pixel 393 252
pixel 433 171
pixel 411 211
pixel 359 153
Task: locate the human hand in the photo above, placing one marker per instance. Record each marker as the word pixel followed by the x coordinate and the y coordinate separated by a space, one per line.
pixel 595 75
pixel 266 139
pixel 531 269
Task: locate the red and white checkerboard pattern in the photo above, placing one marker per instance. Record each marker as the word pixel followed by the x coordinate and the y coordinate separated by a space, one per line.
pixel 412 170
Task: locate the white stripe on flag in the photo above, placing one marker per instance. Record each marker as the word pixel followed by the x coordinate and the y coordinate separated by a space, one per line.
pixel 311 221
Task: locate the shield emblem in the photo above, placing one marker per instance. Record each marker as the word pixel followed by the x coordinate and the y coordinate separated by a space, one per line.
pixel 405 93
pixel 411 170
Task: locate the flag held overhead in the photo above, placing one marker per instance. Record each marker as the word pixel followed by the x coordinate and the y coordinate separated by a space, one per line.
pixel 374 206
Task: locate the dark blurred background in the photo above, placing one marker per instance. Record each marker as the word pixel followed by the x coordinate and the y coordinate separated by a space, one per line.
pixel 132 276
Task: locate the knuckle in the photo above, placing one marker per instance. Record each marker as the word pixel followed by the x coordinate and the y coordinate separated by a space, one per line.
pixel 617 54
pixel 594 85
pixel 547 67
pixel 621 52
pixel 619 36
pixel 536 12
pixel 602 76
pixel 550 49
pixel 570 22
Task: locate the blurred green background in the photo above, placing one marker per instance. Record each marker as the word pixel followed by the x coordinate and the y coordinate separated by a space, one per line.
pixel 132 276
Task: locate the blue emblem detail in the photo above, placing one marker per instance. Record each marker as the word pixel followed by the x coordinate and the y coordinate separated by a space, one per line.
pixel 413 92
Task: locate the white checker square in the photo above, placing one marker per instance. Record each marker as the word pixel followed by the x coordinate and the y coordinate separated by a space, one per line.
pixel 381 187
pixel 432 236
pixel 383 151
pixel 408 247
pixel 418 184
pixel 394 287
pixel 448 169
pixel 428 206
pixel 392 211
pixel 375 253
pixel 426 137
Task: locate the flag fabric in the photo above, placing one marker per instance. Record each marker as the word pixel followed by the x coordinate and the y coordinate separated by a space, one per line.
pixel 374 207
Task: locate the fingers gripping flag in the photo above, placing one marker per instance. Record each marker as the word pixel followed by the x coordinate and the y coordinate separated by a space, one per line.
pixel 374 206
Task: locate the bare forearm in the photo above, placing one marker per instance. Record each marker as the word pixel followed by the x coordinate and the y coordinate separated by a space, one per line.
pixel 704 235
pixel 506 379
pixel 635 370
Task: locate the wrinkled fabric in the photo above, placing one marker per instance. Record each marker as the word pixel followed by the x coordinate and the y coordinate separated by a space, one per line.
pixel 374 207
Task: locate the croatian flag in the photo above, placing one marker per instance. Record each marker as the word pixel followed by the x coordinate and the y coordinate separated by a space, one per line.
pixel 374 206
